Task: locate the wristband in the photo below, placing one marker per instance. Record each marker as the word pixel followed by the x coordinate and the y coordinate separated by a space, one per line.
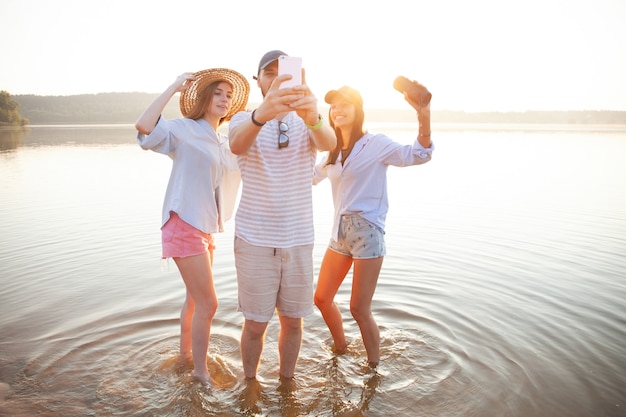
pixel 318 124
pixel 254 121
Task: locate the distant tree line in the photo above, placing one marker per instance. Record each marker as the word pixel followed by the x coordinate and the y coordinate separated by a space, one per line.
pixel 102 108
pixel 536 117
pixel 9 111
pixel 125 108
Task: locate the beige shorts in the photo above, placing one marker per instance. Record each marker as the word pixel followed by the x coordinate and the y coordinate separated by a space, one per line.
pixel 270 279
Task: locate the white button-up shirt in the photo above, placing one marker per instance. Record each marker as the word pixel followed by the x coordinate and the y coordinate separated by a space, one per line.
pixel 359 186
pixel 204 180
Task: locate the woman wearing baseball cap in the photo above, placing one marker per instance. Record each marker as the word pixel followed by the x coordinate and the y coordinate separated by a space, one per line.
pixel 357 170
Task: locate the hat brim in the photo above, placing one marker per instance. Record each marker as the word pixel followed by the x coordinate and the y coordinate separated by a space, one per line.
pixel 347 93
pixel 268 58
pixel 204 78
pixel 331 95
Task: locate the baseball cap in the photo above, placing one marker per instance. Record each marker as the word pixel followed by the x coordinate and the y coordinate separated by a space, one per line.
pixel 348 93
pixel 268 58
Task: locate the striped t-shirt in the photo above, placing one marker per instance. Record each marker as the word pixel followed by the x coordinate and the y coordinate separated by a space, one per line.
pixel 276 204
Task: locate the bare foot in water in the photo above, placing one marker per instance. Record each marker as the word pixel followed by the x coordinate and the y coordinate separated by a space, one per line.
pixel 185 357
pixel 251 395
pixel 184 361
pixel 287 384
pixel 340 350
pixel 204 379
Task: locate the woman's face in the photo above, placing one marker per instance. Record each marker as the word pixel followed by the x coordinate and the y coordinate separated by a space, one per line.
pixel 222 100
pixel 342 112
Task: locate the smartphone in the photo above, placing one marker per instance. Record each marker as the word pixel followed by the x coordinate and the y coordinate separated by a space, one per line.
pixel 291 65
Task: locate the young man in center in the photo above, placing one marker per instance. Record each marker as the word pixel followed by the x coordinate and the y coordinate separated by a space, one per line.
pixel 276 147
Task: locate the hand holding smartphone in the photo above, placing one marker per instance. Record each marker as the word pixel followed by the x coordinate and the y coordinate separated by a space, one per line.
pixel 291 65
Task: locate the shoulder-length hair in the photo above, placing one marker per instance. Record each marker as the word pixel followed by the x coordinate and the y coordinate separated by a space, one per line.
pixel 205 98
pixel 357 133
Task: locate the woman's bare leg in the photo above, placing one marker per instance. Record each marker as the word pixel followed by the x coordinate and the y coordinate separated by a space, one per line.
pixel 186 314
pixel 364 282
pixel 333 270
pixel 198 277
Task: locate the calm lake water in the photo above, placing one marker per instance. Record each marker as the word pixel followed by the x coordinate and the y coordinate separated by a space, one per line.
pixel 503 292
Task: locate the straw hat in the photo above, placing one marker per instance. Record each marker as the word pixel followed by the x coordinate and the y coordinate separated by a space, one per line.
pixel 204 78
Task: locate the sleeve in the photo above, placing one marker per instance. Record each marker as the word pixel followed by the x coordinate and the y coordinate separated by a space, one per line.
pixel 161 139
pixel 396 154
pixel 320 171
pixel 237 119
pixel 228 189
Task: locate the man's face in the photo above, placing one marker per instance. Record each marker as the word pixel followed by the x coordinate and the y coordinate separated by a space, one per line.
pixel 266 77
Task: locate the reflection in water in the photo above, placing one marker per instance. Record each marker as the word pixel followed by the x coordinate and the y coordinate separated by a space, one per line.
pixel 11 137
pixel 64 135
pixel 250 397
pixel 502 293
pixel 369 389
pixel 342 395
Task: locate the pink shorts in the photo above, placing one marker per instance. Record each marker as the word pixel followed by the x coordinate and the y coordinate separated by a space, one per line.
pixel 180 239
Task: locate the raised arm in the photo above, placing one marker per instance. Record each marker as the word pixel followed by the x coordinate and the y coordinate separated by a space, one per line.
pixel 423 117
pixel 323 135
pixel 275 102
pixel 148 120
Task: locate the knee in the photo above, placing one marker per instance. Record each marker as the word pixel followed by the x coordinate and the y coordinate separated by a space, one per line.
pixel 213 308
pixel 322 302
pixel 319 303
pixel 207 307
pixel 360 313
pixel 290 323
pixel 254 329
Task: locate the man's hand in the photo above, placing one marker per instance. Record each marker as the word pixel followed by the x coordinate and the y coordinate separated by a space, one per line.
pixel 277 100
pixel 306 105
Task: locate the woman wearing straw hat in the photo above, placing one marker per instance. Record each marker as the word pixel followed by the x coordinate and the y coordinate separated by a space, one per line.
pixel 200 193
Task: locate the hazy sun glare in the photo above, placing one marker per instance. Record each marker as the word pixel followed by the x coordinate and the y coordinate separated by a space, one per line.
pixel 483 55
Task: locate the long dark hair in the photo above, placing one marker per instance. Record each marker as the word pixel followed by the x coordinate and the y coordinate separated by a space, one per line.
pixel 356 133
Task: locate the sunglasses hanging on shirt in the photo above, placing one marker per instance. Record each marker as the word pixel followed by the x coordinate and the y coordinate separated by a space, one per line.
pixel 283 139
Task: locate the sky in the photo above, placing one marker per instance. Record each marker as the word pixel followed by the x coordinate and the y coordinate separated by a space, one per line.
pixel 480 55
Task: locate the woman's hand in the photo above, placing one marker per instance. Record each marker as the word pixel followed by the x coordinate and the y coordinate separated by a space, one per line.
pixel 183 81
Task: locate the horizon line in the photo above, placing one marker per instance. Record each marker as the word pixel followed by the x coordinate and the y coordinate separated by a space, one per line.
pixel 324 105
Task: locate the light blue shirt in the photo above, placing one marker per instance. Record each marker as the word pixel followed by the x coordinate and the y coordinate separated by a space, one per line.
pixel 204 179
pixel 359 186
